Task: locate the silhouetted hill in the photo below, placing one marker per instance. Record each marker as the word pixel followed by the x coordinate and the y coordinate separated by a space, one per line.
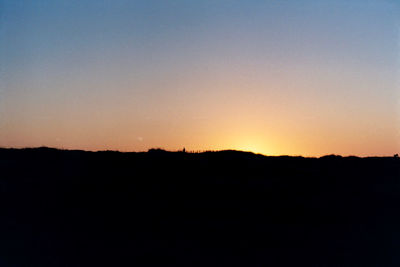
pixel 227 208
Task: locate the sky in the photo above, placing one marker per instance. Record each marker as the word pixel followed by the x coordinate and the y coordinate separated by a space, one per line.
pixel 275 77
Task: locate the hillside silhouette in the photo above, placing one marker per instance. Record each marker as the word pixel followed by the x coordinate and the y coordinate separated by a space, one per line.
pixel 226 208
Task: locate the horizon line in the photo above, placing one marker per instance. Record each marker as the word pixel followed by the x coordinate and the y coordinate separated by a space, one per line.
pixel 198 152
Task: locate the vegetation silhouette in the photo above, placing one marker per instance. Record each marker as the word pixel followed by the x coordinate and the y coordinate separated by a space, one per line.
pixel 226 208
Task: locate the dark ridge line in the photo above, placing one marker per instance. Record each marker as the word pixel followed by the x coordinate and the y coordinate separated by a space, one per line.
pixel 160 151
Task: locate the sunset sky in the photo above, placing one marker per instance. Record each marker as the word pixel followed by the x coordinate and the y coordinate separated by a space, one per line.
pixel 275 77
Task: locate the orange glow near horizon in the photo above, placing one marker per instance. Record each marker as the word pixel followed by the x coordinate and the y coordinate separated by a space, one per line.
pixel 271 77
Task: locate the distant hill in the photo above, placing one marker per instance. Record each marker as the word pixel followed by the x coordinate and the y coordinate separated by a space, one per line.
pixel 226 208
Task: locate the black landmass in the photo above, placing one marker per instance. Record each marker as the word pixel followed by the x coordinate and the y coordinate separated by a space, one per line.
pixel 227 208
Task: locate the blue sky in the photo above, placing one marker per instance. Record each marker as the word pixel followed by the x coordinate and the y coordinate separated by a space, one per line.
pixel 277 77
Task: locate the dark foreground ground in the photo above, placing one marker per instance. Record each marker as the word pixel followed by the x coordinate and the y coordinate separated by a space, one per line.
pixel 75 208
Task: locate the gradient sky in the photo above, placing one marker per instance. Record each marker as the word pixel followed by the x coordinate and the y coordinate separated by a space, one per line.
pixel 276 77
